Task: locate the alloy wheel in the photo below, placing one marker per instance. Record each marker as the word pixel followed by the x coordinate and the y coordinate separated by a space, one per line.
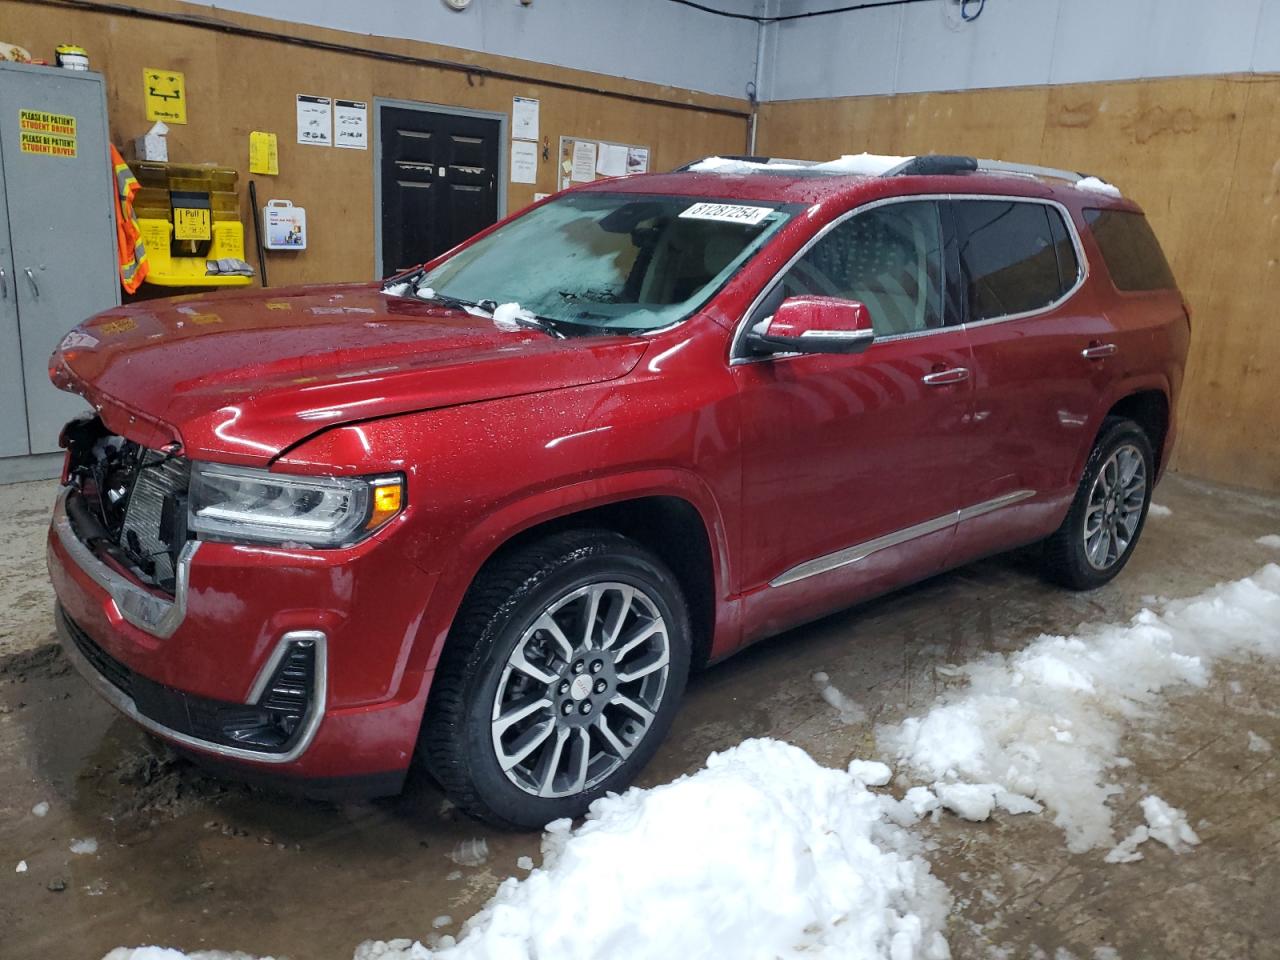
pixel 580 689
pixel 1115 507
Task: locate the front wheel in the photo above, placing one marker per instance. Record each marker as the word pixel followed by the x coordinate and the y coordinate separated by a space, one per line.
pixel 1106 517
pixel 559 680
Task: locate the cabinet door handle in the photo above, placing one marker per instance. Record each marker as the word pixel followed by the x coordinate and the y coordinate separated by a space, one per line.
pixel 31 278
pixel 1097 351
pixel 4 285
pixel 944 377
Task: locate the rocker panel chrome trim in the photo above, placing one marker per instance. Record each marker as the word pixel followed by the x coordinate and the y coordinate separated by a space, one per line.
pixel 860 551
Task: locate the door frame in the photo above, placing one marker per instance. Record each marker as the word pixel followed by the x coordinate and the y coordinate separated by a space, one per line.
pixel 504 157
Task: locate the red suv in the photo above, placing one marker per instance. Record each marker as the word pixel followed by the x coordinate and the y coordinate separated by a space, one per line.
pixel 491 512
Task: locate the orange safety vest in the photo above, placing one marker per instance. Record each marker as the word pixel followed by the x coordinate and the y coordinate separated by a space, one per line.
pixel 133 255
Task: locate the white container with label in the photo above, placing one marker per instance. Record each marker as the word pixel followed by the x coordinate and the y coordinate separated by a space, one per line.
pixel 284 226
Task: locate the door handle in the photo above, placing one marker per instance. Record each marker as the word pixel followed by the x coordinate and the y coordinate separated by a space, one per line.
pixel 4 285
pixel 1098 351
pixel 944 377
pixel 35 287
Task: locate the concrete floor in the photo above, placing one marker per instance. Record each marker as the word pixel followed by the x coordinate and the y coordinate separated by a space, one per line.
pixel 190 862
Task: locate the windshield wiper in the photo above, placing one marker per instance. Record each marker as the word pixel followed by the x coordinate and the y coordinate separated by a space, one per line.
pixel 523 318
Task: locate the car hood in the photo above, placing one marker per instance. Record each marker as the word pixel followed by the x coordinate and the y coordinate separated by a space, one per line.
pixel 243 376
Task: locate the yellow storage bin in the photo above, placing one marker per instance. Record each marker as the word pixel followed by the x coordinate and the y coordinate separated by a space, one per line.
pixel 168 271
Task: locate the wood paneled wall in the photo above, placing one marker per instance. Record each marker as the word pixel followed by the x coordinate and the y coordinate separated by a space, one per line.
pixel 237 84
pixel 1200 154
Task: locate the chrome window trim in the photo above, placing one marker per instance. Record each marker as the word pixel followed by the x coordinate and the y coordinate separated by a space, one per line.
pixel 860 551
pixel 738 356
pixel 125 704
pixel 138 606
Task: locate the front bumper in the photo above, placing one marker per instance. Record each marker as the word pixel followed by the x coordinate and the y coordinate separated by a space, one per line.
pixel 170 664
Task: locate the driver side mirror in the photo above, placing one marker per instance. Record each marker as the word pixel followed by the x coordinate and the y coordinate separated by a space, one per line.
pixel 814 325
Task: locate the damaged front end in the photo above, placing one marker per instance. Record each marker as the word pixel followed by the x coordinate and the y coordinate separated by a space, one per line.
pixel 127 503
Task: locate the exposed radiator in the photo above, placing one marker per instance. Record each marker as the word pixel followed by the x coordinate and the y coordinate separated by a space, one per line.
pixel 157 478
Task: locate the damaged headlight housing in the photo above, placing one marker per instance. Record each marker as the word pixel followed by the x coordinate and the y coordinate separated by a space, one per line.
pixel 244 503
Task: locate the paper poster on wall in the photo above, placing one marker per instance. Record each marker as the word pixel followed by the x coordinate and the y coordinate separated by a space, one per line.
pixel 611 161
pixel 166 94
pixel 315 120
pixel 637 159
pixel 351 124
pixel 524 161
pixel 524 118
pixel 264 153
pixel 584 161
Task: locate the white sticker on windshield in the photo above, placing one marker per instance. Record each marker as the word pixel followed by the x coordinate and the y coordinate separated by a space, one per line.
pixel 728 212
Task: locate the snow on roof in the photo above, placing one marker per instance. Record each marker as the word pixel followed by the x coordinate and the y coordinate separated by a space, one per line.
pixel 851 164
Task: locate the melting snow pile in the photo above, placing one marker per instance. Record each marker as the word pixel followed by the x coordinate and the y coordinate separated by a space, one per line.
pixel 1043 725
pixel 850 711
pixel 763 853
pixel 1094 185
pixel 1164 823
pixel 1156 510
pixel 1270 540
pixel 511 316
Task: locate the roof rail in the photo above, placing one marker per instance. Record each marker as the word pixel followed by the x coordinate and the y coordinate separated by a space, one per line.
pixel 935 164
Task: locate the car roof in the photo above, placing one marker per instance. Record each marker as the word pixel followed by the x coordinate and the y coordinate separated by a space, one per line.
pixel 865 177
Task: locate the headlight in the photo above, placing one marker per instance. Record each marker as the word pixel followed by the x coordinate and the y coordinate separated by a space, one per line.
pixel 243 503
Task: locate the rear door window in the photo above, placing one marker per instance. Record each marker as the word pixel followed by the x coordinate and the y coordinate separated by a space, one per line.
pixel 1130 249
pixel 1016 256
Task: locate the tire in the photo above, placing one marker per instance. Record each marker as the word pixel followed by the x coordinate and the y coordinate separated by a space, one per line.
pixel 1078 562
pixel 518 642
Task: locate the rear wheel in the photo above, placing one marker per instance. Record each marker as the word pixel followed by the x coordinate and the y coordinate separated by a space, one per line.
pixel 559 680
pixel 1106 517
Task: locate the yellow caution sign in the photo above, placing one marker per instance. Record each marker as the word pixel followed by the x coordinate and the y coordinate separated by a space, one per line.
pixel 166 93
pixel 49 134
pixel 191 223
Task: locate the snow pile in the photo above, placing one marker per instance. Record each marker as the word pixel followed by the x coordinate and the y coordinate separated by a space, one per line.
pixel 1157 510
pixel 1044 723
pixel 1258 744
pixel 84 847
pixel 40 809
pixel 852 164
pixel 511 316
pixel 1094 185
pixel 1165 824
pixel 21 867
pixel 761 854
pixel 1270 540
pixel 850 711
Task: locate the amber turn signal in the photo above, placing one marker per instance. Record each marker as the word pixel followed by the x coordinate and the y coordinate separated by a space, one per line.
pixel 388 499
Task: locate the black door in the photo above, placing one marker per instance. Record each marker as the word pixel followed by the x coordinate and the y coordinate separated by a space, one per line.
pixel 439 183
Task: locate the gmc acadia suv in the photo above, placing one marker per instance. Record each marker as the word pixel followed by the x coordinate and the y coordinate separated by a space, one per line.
pixel 491 512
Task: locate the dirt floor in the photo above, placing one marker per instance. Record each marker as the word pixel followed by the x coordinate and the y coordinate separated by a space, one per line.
pixel 186 861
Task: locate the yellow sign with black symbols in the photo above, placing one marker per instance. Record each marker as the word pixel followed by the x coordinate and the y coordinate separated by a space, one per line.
pixel 47 134
pixel 191 223
pixel 166 92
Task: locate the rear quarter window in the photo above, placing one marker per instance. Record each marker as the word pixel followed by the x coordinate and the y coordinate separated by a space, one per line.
pixel 1130 250
pixel 1017 256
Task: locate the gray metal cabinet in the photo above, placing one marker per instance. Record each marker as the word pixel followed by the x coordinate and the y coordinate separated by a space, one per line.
pixel 57 242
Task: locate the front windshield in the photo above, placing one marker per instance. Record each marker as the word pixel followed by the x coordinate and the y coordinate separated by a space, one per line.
pixel 614 261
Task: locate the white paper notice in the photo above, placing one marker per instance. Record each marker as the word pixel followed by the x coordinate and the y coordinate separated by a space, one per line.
pixel 315 121
pixel 638 160
pixel 612 160
pixel 584 161
pixel 524 118
pixel 727 212
pixel 351 124
pixel 524 161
